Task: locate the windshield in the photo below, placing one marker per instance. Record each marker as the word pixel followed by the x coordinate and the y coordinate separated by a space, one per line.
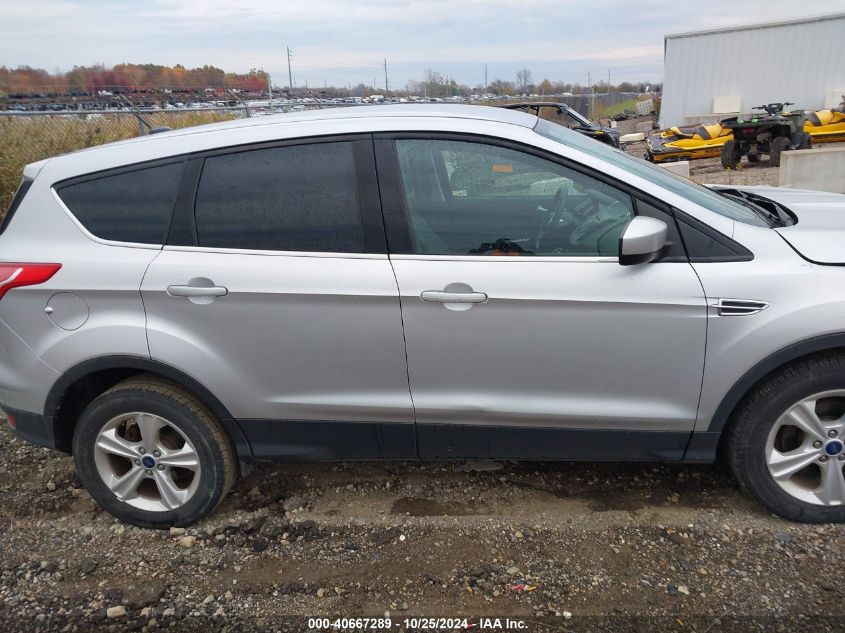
pixel 576 115
pixel 693 192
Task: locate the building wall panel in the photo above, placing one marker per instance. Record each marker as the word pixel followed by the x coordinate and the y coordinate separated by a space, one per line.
pixel 798 61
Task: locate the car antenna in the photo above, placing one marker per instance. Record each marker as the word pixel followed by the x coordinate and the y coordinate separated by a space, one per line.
pixel 141 120
pixel 236 97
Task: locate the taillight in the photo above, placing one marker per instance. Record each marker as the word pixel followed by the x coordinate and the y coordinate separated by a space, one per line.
pixel 17 275
pixel 11 420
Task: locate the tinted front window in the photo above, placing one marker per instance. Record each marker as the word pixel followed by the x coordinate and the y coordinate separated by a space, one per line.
pixel 130 207
pixel 294 198
pixel 702 196
pixel 467 198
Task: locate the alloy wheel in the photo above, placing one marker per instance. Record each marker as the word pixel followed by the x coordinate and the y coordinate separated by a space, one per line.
pixel 805 450
pixel 147 462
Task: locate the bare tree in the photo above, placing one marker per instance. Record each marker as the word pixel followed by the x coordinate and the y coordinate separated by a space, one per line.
pixel 523 80
pixel 501 88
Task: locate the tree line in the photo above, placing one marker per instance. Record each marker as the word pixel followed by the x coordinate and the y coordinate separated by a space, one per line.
pixel 25 80
pixel 436 84
pixel 90 79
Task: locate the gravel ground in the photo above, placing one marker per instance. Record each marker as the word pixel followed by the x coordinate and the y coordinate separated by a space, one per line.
pixel 572 547
pixel 557 547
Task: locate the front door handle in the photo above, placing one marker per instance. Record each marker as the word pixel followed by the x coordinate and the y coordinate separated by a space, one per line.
pixel 442 296
pixel 197 291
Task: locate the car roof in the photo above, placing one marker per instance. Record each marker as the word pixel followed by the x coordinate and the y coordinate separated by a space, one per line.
pixel 442 111
pixel 360 119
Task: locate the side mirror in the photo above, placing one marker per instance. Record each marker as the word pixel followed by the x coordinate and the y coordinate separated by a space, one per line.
pixel 642 240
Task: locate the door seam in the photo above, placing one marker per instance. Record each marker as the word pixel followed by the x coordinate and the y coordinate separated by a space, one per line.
pixel 704 360
pixel 398 295
pixel 144 305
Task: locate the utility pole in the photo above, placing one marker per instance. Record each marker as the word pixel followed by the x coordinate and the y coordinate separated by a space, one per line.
pixel 485 79
pixel 386 88
pixel 270 91
pixel 290 74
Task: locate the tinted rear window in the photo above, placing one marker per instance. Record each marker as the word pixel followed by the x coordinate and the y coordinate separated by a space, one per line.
pixel 293 198
pixel 129 207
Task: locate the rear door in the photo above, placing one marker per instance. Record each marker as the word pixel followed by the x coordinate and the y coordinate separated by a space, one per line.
pixel 525 337
pixel 275 292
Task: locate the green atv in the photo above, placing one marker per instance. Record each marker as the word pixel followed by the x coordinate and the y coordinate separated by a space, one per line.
pixel 773 133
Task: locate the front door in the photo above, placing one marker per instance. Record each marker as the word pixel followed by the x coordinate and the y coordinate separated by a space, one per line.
pixel 525 337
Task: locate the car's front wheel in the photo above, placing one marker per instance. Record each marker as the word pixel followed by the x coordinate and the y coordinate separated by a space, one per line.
pixel 786 444
pixel 152 455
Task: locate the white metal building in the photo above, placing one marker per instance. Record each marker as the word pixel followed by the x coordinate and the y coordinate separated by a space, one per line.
pixel 711 74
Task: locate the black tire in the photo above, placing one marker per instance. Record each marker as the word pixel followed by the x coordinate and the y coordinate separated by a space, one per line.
pixel 806 141
pixel 750 426
pixel 729 155
pixel 776 147
pixel 150 394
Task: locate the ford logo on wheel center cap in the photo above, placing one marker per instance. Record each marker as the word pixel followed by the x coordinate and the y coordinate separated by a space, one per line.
pixel 833 448
pixel 149 461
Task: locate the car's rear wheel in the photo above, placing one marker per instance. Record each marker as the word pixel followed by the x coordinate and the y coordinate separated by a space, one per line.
pixel 786 444
pixel 152 455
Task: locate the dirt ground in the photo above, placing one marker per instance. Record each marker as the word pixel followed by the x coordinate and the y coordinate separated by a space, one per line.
pixel 555 547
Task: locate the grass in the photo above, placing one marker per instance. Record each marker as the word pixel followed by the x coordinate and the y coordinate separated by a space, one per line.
pixel 617 108
pixel 27 139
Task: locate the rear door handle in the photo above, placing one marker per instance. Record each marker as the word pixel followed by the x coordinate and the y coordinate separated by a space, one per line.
pixel 441 296
pixel 197 291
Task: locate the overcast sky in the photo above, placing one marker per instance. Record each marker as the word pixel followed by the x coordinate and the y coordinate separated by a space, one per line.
pixel 342 42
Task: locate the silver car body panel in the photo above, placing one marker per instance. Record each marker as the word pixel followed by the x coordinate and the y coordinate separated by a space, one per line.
pixel 296 337
pixel 819 234
pixel 804 300
pixel 24 377
pixel 324 333
pixel 567 343
pixel 106 277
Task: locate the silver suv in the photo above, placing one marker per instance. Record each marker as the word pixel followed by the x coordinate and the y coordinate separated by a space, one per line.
pixel 415 282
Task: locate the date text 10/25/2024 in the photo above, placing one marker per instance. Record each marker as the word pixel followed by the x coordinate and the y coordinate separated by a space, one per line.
pixel 418 624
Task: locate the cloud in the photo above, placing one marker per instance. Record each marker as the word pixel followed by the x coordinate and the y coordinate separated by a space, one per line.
pixel 346 41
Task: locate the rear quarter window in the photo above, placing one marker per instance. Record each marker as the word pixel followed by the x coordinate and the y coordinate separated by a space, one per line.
pixel 132 206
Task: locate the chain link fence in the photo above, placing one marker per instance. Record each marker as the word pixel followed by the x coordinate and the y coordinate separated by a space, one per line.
pixel 26 137
pixel 591 106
